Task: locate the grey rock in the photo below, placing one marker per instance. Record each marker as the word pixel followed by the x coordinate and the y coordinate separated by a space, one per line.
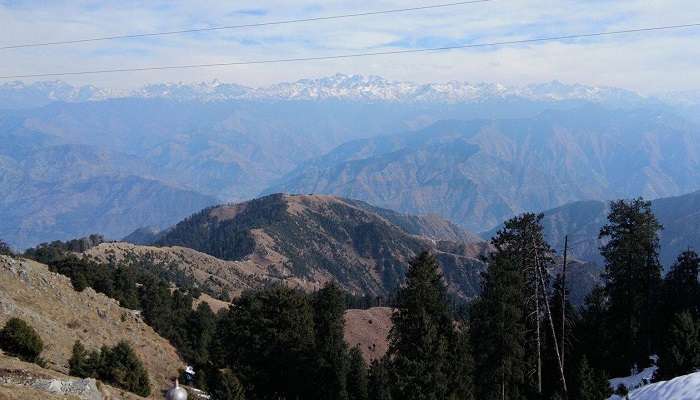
pixel 85 389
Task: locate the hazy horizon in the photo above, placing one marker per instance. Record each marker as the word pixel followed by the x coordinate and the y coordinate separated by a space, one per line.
pixel 649 62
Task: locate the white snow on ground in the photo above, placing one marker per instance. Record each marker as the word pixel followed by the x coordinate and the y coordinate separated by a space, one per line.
pixel 685 387
pixel 634 381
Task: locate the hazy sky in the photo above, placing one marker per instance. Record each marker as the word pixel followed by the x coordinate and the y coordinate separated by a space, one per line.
pixel 645 62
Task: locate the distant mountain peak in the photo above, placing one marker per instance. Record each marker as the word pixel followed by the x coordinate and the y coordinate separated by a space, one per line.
pixel 338 87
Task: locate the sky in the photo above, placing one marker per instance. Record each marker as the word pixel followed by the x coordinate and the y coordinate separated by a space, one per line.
pixel 648 63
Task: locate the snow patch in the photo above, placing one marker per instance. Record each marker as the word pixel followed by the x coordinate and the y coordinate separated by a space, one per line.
pixel 685 387
pixel 339 87
pixel 634 381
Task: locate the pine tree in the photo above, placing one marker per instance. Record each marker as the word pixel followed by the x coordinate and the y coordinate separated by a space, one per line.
pixel 181 309
pixel 267 337
pixel 331 349
pixel 632 280
pixel 122 367
pixel 522 241
pixel 592 331
pixel 357 376
pixel 79 364
pixel 590 384
pixel 5 249
pixel 201 328
pixel 125 289
pixel 419 338
pixel 681 353
pixel 379 383
pixel 156 302
pixel 497 326
pixel 681 289
pixel 227 386
pixel 462 362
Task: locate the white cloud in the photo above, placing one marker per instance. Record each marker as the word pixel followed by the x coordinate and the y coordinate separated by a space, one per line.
pixel 650 62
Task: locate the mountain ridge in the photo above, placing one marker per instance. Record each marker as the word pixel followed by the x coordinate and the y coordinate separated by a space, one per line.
pixel 326 238
pixel 478 173
pixel 582 220
pixel 338 86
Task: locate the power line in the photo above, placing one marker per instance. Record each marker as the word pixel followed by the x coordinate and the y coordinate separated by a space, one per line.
pixel 353 55
pixel 220 28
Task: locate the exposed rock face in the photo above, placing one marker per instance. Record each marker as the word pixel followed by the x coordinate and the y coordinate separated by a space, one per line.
pixel 311 240
pixel 84 389
pixel 60 315
pixel 25 381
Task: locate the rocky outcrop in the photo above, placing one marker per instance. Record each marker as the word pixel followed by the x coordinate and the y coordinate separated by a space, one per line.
pixel 20 380
pixel 84 389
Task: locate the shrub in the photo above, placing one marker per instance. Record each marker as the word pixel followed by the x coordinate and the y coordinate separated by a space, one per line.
pixel 122 367
pixel 80 362
pixel 5 249
pixel 228 387
pixel 118 366
pixel 20 339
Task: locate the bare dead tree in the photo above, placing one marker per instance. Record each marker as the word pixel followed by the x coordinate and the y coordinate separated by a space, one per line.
pixel 540 277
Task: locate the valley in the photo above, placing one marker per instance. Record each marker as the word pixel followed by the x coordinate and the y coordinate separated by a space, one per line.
pixel 185 147
pixel 248 231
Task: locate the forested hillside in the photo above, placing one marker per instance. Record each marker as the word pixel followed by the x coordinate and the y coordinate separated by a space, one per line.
pixel 325 238
pixel 439 345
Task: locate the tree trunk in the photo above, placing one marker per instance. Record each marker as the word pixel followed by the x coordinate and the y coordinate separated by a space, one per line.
pixel 551 324
pixel 563 301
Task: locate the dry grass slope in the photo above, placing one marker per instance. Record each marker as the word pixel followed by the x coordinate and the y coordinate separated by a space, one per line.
pixel 61 315
pixel 216 275
pixel 369 329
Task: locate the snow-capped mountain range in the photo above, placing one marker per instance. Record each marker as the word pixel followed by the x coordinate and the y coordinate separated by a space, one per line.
pixel 339 86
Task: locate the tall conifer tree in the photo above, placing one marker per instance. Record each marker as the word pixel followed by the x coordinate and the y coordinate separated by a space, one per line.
pixel 331 349
pixel 420 338
pixel 498 329
pixel 461 359
pixel 590 383
pixel 357 376
pixel 632 280
pixel 521 241
pixel 267 338
pixel 379 384
pixel 681 289
pixel 680 354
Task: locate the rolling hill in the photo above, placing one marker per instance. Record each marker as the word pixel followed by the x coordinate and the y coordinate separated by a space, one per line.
pixel 321 238
pixel 305 241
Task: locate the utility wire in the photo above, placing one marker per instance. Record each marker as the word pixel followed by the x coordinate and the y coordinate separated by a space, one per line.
pixel 354 55
pixel 220 28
